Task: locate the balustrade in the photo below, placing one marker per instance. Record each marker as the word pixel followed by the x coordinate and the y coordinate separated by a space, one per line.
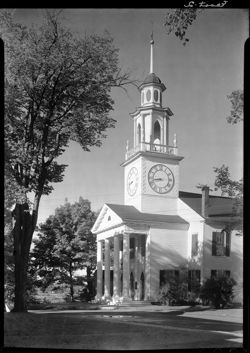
pixel 151 147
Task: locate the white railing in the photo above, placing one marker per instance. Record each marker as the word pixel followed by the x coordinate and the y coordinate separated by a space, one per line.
pixel 151 147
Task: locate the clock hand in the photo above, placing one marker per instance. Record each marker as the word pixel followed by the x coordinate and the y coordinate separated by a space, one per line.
pixel 131 182
pixel 158 179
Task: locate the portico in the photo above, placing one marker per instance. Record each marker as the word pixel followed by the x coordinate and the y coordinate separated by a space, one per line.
pixel 122 265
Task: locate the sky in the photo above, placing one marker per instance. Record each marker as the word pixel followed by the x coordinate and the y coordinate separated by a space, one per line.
pixel 198 78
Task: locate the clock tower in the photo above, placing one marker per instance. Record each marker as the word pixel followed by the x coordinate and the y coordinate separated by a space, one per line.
pixel 151 167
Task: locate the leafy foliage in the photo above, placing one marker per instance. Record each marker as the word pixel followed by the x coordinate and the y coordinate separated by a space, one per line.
pixel 218 291
pixel 175 292
pixel 227 186
pixel 57 89
pixel 237 100
pixel 178 21
pixel 65 245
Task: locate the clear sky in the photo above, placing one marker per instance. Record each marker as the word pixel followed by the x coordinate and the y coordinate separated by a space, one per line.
pixel 198 77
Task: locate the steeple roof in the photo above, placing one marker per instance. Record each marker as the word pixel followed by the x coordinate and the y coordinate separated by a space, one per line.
pixel 153 79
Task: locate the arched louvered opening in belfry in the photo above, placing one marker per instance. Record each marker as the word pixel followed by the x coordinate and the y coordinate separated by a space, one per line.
pixel 157 133
pixel 139 133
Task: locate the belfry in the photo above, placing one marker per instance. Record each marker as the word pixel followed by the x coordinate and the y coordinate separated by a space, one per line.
pixel 157 232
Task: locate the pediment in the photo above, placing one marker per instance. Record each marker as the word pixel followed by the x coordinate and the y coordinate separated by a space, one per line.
pixel 107 219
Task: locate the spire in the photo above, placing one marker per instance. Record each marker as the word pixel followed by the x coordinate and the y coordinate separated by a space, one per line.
pixel 152 54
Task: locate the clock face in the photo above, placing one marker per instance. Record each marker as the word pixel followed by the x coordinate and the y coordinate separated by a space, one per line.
pixel 132 181
pixel 161 179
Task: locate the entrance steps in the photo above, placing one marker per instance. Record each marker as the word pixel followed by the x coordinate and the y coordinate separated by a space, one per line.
pixel 136 303
pixel 127 304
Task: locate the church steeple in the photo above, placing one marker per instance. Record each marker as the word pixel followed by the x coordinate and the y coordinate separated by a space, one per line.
pixel 152 164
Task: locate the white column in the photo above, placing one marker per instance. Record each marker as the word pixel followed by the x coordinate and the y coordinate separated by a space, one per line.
pixel 107 270
pixel 136 268
pixel 120 267
pixel 116 267
pixel 126 266
pixel 99 270
pixel 147 268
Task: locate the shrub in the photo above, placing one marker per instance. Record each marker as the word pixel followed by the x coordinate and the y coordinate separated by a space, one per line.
pixel 174 293
pixel 218 291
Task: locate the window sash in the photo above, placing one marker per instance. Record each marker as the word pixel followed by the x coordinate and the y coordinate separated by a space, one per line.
pixel 221 243
pixel 194 244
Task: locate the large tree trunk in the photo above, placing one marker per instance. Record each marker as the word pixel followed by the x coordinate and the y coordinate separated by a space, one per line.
pixel 23 232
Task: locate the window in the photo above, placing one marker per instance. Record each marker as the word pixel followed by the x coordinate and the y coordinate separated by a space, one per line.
pixel 220 273
pixel 166 276
pixel 194 278
pixel 156 95
pixel 213 273
pixel 221 243
pixel 194 244
pixel 157 132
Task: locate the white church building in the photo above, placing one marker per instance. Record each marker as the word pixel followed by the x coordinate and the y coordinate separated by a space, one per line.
pixel 161 231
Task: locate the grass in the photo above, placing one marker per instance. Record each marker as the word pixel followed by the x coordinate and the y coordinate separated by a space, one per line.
pixel 64 306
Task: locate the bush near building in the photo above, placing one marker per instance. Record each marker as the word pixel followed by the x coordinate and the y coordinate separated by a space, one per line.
pixel 218 291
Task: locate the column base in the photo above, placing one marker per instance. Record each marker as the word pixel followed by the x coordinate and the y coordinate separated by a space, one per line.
pixel 127 299
pixel 98 297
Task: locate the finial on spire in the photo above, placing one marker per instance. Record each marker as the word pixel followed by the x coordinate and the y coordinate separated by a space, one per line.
pixel 152 52
pixel 152 38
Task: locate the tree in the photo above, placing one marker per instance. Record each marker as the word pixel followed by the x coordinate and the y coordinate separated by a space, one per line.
pixel 233 189
pixel 237 101
pixel 65 245
pixel 178 21
pixel 57 89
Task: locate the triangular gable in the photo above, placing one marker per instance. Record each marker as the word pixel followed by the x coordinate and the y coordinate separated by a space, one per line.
pixel 107 219
pixel 187 212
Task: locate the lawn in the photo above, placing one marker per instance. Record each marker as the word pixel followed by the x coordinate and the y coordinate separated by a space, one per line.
pixel 114 330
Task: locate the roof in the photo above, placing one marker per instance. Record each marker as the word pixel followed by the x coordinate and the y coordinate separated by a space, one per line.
pixel 217 205
pixel 130 213
pixel 152 78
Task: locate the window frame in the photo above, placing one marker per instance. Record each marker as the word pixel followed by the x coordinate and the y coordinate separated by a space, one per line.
pixel 221 243
pixel 195 241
